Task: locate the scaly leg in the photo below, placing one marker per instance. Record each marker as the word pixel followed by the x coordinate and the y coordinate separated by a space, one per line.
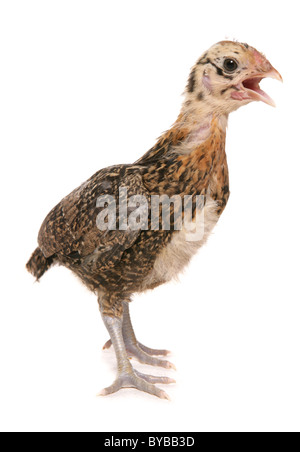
pixel 127 377
pixel 137 350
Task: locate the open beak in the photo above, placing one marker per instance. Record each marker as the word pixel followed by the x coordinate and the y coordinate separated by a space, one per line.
pixel 249 89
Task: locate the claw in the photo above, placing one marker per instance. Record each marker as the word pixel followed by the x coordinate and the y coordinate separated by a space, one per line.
pixel 107 345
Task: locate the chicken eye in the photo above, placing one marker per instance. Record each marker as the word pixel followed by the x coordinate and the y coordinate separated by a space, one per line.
pixel 230 65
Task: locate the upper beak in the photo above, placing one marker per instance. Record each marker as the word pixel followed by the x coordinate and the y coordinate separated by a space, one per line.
pixel 273 73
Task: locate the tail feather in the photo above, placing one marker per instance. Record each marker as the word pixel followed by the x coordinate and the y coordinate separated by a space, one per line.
pixel 38 264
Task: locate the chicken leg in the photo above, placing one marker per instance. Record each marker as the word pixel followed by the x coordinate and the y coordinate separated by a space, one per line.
pixel 127 377
pixel 137 350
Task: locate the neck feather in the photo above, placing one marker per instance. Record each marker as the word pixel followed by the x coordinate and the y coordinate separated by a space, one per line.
pixel 193 127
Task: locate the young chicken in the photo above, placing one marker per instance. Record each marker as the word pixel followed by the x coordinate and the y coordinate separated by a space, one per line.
pixel 188 160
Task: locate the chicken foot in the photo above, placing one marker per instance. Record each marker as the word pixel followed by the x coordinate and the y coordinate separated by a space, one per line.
pixel 127 377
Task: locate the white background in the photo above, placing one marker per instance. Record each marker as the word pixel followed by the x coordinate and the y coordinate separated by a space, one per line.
pixel 88 84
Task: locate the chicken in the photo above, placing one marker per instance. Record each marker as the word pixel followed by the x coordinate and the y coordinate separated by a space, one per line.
pixel 116 258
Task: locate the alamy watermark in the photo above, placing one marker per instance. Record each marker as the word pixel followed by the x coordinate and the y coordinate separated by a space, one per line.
pixel 155 213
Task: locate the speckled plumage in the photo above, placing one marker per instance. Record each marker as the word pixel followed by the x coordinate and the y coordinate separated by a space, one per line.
pixel 116 263
pixel 189 159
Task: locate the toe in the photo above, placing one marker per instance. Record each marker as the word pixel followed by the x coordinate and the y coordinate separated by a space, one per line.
pixel 155 379
pixel 136 352
pixel 147 359
pixel 153 351
pixel 150 388
pixel 110 389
